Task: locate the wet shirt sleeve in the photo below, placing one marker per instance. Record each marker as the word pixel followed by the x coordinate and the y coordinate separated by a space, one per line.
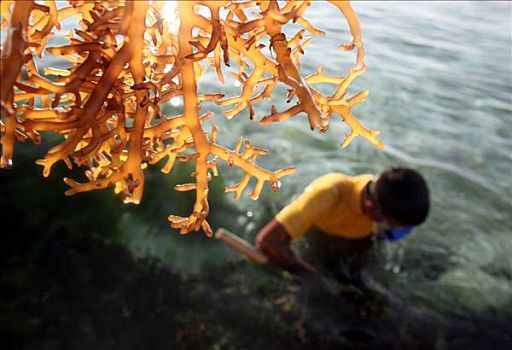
pixel 300 215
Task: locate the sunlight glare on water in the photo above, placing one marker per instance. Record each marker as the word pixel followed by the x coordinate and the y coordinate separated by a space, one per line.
pixel 171 16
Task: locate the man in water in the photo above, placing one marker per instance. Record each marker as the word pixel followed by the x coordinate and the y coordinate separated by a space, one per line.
pixel 348 209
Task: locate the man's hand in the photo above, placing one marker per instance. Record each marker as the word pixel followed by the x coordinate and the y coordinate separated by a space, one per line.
pixel 304 266
pixel 274 242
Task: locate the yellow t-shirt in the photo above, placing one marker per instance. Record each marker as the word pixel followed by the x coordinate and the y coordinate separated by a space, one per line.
pixel 331 203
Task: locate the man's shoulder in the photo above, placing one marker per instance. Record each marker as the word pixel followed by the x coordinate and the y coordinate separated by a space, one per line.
pixel 363 178
pixel 339 184
pixel 334 178
pixel 331 177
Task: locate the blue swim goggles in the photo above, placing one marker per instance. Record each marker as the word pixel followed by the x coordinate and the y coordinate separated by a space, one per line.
pixel 395 234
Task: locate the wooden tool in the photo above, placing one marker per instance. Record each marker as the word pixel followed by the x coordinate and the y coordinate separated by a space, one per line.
pixel 240 245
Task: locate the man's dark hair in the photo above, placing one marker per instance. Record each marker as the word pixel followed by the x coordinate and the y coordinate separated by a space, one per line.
pixel 403 195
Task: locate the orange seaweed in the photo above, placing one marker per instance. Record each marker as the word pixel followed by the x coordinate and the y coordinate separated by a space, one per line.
pixel 127 61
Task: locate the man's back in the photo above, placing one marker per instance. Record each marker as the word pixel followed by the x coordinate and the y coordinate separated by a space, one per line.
pixel 331 203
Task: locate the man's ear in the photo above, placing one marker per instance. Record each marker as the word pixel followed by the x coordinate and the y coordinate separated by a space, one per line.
pixel 372 210
pixel 367 205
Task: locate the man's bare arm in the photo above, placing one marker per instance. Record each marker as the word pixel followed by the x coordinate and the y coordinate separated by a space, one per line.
pixel 274 241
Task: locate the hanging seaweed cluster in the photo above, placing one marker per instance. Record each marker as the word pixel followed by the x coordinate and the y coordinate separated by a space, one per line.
pixel 127 61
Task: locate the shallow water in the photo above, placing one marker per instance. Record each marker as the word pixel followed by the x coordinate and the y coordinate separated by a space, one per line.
pixel 440 82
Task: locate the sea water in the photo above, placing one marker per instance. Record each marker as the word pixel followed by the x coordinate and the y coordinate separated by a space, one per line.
pixel 440 81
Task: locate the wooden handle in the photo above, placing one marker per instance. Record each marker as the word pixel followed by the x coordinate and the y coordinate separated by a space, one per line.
pixel 241 245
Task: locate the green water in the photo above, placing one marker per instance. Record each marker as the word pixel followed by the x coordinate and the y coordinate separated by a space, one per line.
pixel 440 82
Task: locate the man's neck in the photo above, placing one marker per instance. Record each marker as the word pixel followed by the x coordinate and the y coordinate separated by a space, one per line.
pixel 364 196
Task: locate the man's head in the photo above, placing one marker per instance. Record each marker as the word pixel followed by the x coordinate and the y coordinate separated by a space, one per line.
pixel 398 197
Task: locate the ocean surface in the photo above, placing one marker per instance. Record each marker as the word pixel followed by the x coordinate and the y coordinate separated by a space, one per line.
pixel 439 76
pixel 440 81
